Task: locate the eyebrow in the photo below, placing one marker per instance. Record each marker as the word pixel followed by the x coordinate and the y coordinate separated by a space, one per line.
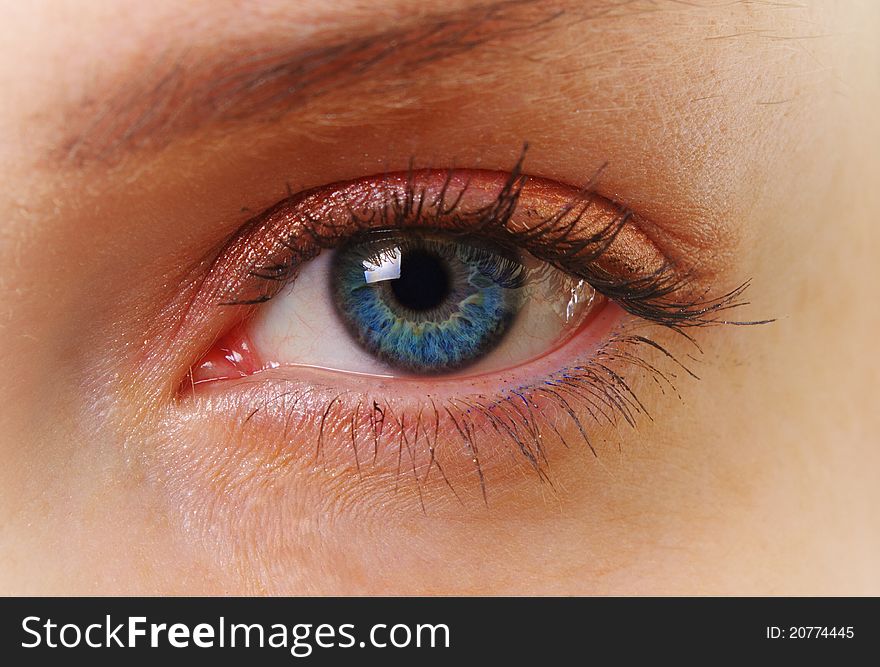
pixel 184 93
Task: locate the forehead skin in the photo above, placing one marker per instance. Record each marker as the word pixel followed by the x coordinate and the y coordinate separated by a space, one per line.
pixel 132 136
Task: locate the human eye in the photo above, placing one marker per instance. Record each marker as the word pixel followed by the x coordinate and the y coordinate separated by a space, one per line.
pixel 442 329
pixel 413 303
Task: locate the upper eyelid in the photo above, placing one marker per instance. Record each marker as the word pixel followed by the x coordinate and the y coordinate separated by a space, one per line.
pixel 525 209
pixel 602 242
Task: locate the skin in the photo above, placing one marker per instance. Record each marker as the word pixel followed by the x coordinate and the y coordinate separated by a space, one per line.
pixel 744 135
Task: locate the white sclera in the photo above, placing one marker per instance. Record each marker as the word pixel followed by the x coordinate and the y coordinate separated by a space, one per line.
pixel 301 326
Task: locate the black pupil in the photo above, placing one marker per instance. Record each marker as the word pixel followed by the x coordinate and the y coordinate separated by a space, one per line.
pixel 424 281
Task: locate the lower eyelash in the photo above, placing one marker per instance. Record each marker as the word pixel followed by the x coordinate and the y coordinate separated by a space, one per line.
pixel 528 421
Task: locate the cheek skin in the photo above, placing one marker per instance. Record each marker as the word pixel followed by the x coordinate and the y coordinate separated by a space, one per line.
pixel 296 526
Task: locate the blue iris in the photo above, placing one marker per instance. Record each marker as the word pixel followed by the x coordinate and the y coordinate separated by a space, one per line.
pixel 426 302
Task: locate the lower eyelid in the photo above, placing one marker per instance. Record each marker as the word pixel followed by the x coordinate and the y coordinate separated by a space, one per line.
pixel 461 433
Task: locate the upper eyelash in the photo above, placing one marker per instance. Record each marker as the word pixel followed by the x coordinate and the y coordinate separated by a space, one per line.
pixel 655 297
